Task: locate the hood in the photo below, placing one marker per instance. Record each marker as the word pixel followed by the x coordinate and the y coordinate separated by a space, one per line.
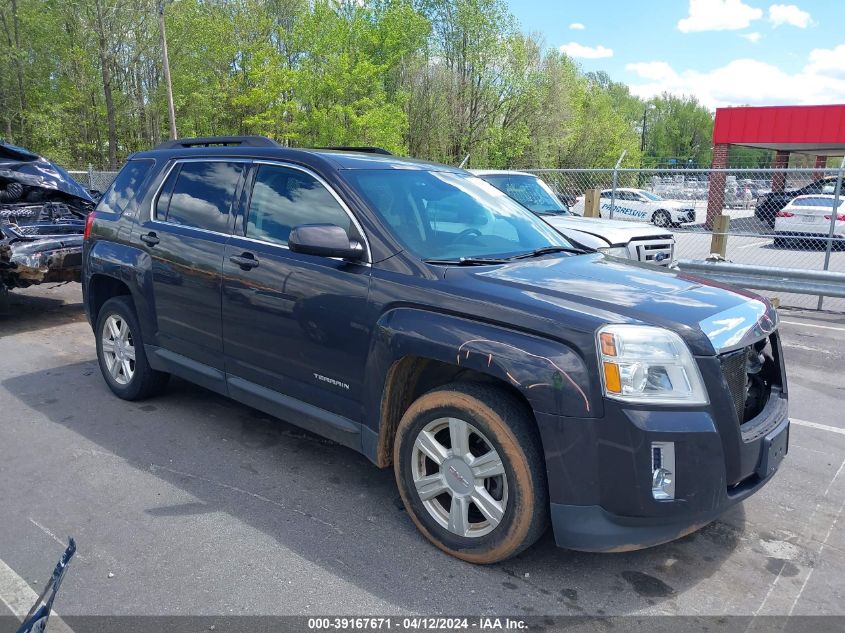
pixel 708 315
pixel 24 167
pixel 616 232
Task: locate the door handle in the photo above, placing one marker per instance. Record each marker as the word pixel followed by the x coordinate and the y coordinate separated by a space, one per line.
pixel 246 261
pixel 150 238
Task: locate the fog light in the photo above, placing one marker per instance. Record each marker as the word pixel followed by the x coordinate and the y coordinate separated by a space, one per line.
pixel 663 470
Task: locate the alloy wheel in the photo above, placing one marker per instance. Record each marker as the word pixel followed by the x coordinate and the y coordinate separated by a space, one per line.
pixel 459 477
pixel 118 349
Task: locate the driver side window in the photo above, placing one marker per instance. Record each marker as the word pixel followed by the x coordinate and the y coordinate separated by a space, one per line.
pixel 283 198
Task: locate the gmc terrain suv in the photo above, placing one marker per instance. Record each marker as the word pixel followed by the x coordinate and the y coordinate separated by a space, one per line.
pixel 417 314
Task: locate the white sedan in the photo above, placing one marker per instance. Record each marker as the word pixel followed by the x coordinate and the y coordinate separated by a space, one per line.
pixel 809 217
pixel 640 205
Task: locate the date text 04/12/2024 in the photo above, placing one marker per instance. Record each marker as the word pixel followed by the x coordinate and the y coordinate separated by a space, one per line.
pixel 418 623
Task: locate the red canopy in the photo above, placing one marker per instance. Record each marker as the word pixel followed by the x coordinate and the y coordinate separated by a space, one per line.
pixel 818 130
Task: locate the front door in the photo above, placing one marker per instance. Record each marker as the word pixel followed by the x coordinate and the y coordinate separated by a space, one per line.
pixel 294 323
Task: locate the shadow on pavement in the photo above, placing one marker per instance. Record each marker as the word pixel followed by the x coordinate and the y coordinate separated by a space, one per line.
pixel 331 506
pixel 31 312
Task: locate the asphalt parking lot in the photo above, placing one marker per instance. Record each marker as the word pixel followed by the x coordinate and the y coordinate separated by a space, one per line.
pixel 193 504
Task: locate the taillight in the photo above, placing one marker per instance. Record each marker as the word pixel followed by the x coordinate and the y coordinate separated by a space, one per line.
pixel 839 218
pixel 89 222
pixel 786 214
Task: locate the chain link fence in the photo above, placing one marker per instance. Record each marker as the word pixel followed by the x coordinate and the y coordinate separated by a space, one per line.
pixel 93 179
pixel 784 218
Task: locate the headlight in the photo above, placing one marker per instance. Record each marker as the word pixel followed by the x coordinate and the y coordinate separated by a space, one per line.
pixel 645 364
pixel 615 251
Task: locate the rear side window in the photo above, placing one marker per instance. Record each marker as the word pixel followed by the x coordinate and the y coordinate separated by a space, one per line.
pixel 201 195
pixel 125 187
pixel 283 198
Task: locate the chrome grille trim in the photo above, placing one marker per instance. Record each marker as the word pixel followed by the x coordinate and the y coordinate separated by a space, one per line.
pixel 652 250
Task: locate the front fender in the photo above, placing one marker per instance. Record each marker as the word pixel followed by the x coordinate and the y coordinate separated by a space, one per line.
pixel 552 376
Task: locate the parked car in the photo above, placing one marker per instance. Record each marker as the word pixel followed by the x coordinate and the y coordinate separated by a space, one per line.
pixel 612 237
pixel 639 205
pixel 42 217
pixel 809 218
pixel 768 204
pixel 413 312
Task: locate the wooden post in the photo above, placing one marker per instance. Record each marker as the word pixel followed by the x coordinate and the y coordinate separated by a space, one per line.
pixel 592 197
pixel 719 240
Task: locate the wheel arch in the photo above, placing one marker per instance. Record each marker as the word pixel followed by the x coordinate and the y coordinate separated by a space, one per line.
pixel 101 288
pixel 415 351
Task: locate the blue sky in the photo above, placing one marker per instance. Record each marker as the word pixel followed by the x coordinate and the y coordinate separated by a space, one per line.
pixel 725 52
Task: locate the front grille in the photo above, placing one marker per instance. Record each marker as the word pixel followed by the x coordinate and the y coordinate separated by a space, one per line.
pixel 734 370
pixel 658 251
pixel 749 374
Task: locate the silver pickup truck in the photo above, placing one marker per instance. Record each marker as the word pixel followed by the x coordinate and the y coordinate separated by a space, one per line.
pixel 630 240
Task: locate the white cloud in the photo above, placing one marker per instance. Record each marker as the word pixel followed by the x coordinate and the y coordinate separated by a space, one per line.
pixel 752 37
pixel 749 81
pixel 827 62
pixel 573 49
pixel 790 14
pixel 577 26
pixel 718 15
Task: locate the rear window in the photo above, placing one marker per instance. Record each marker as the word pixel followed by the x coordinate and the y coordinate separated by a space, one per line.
pixel 201 196
pixel 125 187
pixel 814 202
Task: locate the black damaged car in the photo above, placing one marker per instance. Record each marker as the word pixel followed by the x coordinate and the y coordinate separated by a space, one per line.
pixel 418 315
pixel 42 218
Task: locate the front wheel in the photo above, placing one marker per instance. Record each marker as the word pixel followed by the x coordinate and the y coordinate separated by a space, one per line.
pixel 470 470
pixel 120 352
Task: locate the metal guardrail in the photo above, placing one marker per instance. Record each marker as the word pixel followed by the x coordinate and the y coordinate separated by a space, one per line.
pixel 823 283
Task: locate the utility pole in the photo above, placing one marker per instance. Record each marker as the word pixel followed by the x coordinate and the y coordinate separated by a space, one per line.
pixel 165 61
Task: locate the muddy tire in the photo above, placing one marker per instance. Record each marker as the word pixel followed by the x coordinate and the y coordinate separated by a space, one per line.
pixel 120 352
pixel 470 469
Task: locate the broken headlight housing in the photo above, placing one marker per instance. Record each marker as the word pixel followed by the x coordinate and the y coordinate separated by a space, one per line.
pixel 615 251
pixel 648 365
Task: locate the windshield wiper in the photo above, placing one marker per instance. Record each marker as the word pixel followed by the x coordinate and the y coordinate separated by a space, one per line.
pixel 550 249
pixel 468 261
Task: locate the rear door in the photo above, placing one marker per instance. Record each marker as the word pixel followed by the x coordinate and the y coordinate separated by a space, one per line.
pixel 185 235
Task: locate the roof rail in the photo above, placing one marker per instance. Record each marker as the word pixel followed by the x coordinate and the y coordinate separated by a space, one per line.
pixel 365 150
pixel 214 141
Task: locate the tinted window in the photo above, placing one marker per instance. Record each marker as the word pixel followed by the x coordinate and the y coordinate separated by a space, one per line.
pixel 283 198
pixel 125 187
pixel 202 195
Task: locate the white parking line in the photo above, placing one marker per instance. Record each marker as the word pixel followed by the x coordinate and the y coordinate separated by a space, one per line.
pixel 816 425
pixel 754 244
pixel 821 327
pixel 19 597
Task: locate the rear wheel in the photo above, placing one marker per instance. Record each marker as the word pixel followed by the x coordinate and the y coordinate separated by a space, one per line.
pixel 662 219
pixel 469 468
pixel 120 352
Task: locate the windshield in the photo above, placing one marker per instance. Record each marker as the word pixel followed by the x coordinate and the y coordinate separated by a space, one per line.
pixel 440 215
pixel 529 191
pixel 651 196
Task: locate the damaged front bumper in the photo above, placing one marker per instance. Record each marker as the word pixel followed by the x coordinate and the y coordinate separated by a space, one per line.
pixel 54 259
pixel 39 252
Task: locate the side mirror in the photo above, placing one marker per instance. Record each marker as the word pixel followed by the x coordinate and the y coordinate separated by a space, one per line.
pixel 324 240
